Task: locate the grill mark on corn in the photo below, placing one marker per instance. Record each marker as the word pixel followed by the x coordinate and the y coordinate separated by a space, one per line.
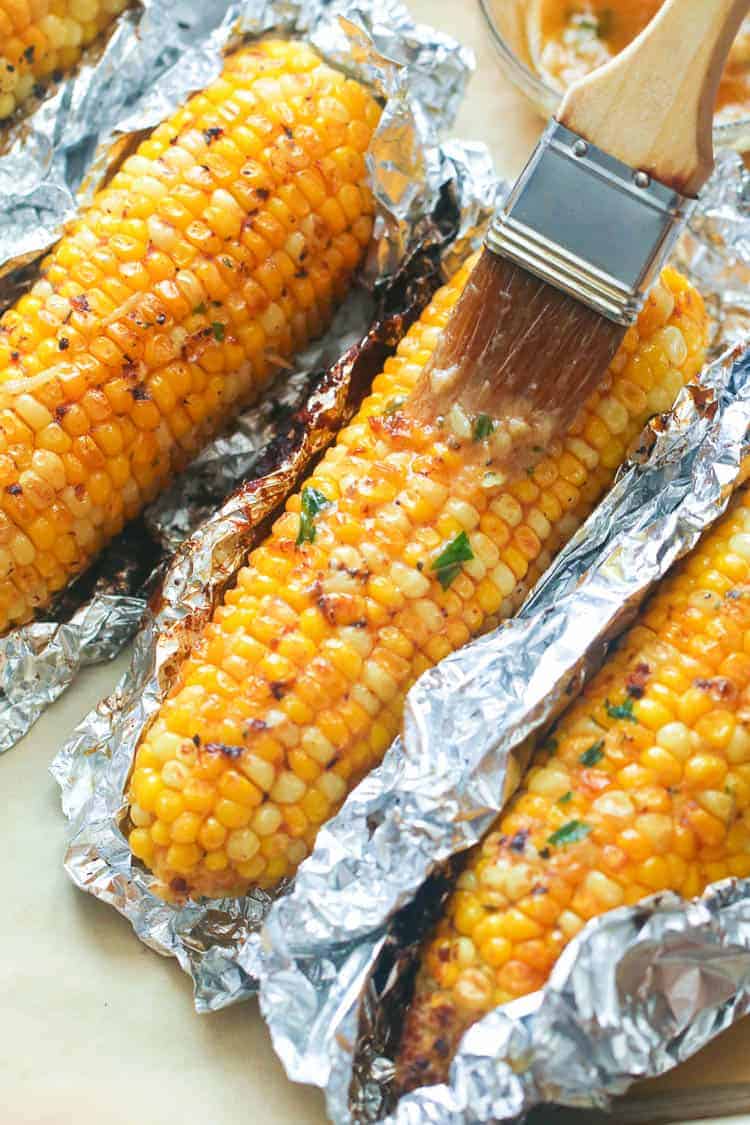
pixel 670 810
pixel 349 620
pixel 174 316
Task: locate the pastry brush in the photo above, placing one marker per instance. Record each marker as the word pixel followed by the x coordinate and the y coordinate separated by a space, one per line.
pixel 584 232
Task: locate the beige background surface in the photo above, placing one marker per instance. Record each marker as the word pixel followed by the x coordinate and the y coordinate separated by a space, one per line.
pixel 94 1027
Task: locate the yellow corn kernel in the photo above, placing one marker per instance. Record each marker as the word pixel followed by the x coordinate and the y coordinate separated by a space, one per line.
pixel 153 327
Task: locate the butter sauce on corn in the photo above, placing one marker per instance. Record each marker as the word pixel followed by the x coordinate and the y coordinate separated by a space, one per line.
pixel 219 249
pixel 643 786
pixel 396 552
pixel 39 38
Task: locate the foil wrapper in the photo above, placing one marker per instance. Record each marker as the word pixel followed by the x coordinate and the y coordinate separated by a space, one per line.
pixel 640 989
pixel 156 55
pixel 272 447
pixel 93 767
pixel 335 975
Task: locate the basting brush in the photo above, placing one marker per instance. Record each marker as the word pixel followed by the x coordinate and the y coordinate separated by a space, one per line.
pixel 584 232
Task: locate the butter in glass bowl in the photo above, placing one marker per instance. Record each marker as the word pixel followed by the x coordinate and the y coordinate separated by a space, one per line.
pixel 544 45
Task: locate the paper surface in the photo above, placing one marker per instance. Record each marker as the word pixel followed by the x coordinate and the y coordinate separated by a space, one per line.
pixel 107 998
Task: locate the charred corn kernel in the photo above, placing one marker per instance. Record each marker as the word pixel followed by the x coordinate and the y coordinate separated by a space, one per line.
pixel 349 579
pixel 41 38
pixel 674 817
pixel 173 300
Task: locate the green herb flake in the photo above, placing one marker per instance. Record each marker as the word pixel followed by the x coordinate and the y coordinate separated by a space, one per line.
pixel 620 710
pixel 200 309
pixel 448 564
pixel 594 25
pixel 218 330
pixel 570 833
pixel 394 405
pixel 593 755
pixel 550 745
pixel 483 427
pixel 313 502
pixel 565 799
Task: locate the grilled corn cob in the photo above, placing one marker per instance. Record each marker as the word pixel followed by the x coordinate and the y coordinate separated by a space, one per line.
pixel 41 37
pixel 644 786
pixel 217 250
pixel 398 550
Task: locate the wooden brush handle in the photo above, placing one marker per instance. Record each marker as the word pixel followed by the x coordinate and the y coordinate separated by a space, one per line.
pixel 652 106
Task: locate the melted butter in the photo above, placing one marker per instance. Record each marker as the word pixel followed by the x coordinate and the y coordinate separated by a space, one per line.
pixel 520 356
pixel 569 38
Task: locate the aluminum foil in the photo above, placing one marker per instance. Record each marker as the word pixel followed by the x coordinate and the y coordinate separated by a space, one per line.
pixel 92 768
pixel 155 56
pixel 338 947
pixel 640 990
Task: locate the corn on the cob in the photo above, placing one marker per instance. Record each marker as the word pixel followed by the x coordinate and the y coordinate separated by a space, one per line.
pixel 38 38
pixel 219 248
pixel 644 786
pixel 397 551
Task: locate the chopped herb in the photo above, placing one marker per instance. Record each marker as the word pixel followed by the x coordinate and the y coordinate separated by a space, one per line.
pixel 312 503
pixel 394 405
pixel 483 427
pixel 565 799
pixel 200 309
pixel 218 330
pixel 593 755
pixel 620 710
pixel 570 833
pixel 550 745
pixel 447 565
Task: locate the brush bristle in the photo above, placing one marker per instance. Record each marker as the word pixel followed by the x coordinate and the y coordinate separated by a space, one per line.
pixel 517 348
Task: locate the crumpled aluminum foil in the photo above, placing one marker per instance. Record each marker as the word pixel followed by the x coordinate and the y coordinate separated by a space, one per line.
pixel 93 766
pixel 156 55
pixel 332 984
pixel 338 950
pixel 641 990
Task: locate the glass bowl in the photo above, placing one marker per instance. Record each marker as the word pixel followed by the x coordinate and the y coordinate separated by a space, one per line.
pixel 505 21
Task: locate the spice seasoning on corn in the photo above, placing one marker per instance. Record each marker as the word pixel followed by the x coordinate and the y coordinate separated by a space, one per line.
pixel 396 552
pixel 219 249
pixel 41 38
pixel 645 786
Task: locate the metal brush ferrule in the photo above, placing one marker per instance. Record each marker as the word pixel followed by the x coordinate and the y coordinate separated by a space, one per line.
pixel 588 224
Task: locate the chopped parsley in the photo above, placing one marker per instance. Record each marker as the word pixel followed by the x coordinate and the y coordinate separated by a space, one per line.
pixel 593 755
pixel 483 427
pixel 620 710
pixel 550 745
pixel 565 799
pixel 200 309
pixel 218 330
pixel 570 833
pixel 313 502
pixel 448 564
